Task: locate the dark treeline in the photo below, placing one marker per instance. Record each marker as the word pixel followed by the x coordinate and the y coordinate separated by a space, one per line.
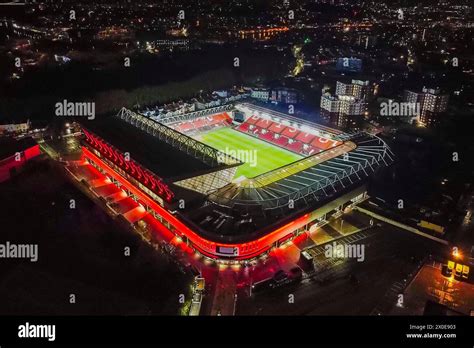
pixel 147 81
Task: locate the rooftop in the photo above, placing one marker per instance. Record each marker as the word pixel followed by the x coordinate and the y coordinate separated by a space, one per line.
pixel 9 146
pixel 156 155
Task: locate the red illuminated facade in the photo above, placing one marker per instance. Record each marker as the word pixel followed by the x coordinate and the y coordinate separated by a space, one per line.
pixel 145 177
pixel 173 224
pixel 159 200
pixel 14 162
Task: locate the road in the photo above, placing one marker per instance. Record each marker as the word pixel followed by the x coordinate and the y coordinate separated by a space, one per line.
pixel 391 256
pixel 431 284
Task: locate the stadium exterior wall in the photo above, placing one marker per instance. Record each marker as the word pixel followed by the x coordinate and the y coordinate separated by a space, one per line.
pixel 209 248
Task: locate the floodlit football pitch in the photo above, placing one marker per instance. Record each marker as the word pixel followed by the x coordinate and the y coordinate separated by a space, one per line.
pixel 258 156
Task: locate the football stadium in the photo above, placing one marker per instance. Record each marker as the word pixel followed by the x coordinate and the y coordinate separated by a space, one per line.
pixel 232 181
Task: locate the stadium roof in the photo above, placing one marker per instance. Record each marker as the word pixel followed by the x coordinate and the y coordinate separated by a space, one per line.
pixel 314 181
pixel 9 146
pixel 239 210
pixel 153 153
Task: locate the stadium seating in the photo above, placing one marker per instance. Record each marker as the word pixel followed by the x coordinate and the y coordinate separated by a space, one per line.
pixel 312 150
pixel 256 130
pixel 202 123
pixel 217 119
pixel 264 123
pixel 305 138
pixel 287 137
pixel 295 146
pixel 252 120
pixel 199 123
pixel 276 128
pixel 184 127
pixel 269 136
pixel 244 127
pixel 324 143
pixel 290 132
pixel 281 141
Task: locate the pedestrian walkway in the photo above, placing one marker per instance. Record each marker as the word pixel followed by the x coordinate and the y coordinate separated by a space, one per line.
pixel 319 250
pixel 331 231
pixel 225 294
pixel 401 225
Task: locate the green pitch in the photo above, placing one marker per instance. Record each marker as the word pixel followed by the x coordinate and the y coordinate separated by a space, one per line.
pixel 258 156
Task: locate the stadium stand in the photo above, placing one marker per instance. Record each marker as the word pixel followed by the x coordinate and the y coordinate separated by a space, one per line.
pixel 255 130
pixel 266 135
pixel 295 146
pixel 323 143
pixel 264 123
pixel 203 123
pixel 276 128
pixel 281 141
pixel 252 120
pixel 290 132
pixel 244 127
pixel 289 138
pixel 305 138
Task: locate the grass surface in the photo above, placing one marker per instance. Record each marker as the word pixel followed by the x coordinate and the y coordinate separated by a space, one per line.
pixel 258 156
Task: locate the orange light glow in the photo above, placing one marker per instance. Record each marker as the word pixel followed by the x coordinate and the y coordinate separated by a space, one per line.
pixel 456 254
